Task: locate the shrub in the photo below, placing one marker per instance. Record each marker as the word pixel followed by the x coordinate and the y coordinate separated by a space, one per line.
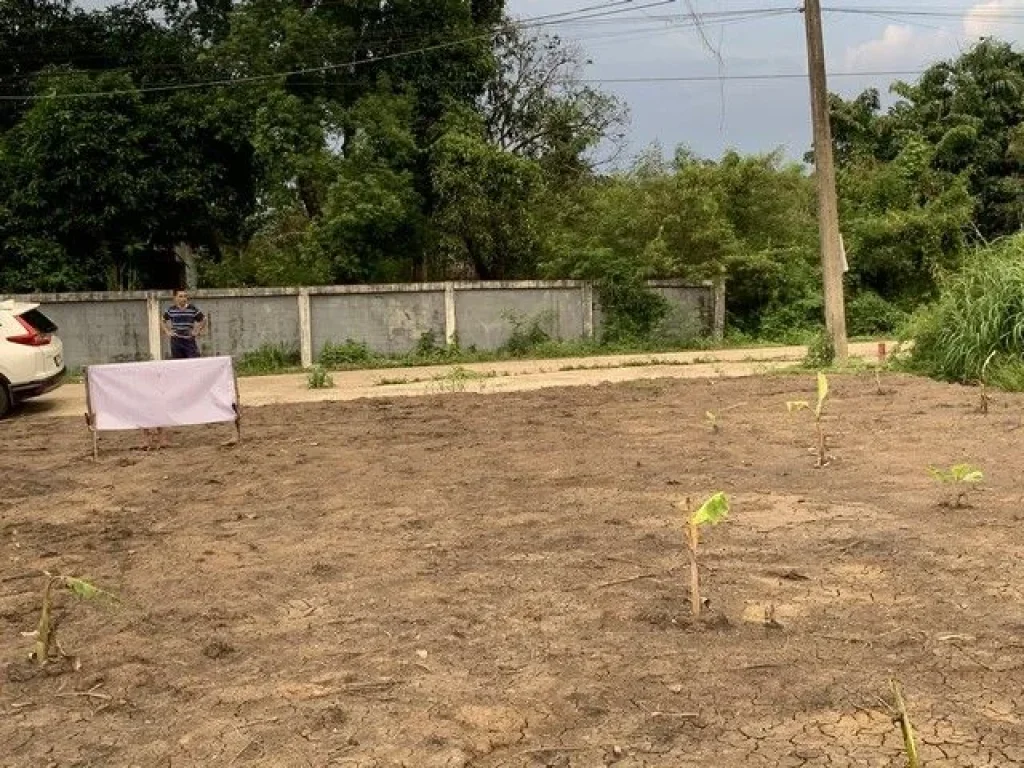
pixel 270 358
pixel 868 314
pixel 349 353
pixel 527 335
pixel 319 378
pixel 631 310
pixel 821 352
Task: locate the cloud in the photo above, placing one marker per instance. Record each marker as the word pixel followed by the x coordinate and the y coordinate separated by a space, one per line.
pixel 899 47
pixel 982 21
pixel 905 46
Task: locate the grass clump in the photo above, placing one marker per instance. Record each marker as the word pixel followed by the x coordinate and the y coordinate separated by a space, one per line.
pixel 978 317
pixel 347 354
pixel 319 378
pixel 269 358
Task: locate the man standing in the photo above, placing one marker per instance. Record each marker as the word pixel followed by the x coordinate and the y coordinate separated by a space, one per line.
pixel 183 321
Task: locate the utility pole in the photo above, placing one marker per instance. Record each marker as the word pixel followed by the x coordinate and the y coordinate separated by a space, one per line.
pixel 825 173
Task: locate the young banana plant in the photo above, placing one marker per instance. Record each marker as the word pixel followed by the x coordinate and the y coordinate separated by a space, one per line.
pixel 818 409
pixel 711 512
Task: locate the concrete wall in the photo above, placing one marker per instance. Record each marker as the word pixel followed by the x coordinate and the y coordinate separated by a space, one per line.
pixel 99 328
pixel 243 323
pixel 691 309
pixel 389 323
pixel 389 319
pixel 487 317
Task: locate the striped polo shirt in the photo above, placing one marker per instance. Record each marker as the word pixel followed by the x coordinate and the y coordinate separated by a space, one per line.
pixel 183 319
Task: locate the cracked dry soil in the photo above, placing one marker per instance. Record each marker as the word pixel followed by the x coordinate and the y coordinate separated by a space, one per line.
pixel 494 581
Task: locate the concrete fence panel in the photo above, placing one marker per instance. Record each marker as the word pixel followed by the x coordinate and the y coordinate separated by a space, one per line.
pixel 486 315
pixel 388 322
pixel 240 324
pixel 98 328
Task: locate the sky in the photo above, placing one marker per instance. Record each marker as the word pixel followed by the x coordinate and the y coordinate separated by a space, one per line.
pixel 645 39
pixel 714 116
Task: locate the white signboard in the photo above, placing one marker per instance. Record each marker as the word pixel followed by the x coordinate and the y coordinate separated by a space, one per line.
pixel 165 393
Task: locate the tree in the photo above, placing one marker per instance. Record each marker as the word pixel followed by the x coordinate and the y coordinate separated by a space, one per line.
pixel 108 185
pixel 905 221
pixel 969 110
pixel 485 200
pixel 535 105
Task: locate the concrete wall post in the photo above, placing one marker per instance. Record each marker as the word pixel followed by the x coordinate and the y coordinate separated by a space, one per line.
pixel 154 322
pixel 451 331
pixel 305 329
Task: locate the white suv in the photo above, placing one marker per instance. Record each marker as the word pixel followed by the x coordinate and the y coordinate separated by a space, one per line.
pixel 31 357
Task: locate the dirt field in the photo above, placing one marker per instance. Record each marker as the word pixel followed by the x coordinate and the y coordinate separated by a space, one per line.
pixel 485 581
pixel 489 378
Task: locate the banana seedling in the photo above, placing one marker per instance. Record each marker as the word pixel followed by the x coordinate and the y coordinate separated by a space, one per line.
pixel 960 478
pixel 45 633
pixel 984 398
pixel 712 421
pixel 711 512
pixel 817 411
pixel 898 710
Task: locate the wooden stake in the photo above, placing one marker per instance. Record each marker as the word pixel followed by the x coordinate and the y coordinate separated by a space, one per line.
pixel 691 545
pixel 90 417
pixel 237 404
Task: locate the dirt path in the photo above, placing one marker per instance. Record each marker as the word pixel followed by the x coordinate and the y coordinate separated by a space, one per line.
pixel 486 378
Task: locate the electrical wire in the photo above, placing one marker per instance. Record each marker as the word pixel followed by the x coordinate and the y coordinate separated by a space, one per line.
pixel 528 23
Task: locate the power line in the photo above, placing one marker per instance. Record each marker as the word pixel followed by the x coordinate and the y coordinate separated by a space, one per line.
pixel 751 77
pixel 527 23
pixel 984 15
pixel 656 80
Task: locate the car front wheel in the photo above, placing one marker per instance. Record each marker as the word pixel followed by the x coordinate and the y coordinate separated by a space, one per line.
pixel 6 401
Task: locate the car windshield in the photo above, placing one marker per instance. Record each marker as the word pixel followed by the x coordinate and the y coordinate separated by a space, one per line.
pixel 39 321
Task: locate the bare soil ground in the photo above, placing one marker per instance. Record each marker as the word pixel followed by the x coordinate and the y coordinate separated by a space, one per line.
pixel 487 581
pixel 489 378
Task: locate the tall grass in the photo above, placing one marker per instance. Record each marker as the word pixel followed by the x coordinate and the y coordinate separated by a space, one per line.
pixel 979 311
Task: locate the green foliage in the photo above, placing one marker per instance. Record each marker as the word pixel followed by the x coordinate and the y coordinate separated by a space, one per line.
pixel 907 222
pixel 958 473
pixel 427 345
pixel 85 590
pixel 631 311
pixel 455 380
pixel 712 512
pixel 820 352
pixel 319 378
pixel 269 358
pixel 868 314
pixel 960 478
pixel 347 354
pixel 46 627
pixel 468 161
pixel 527 335
pixel 979 311
pixel 942 163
